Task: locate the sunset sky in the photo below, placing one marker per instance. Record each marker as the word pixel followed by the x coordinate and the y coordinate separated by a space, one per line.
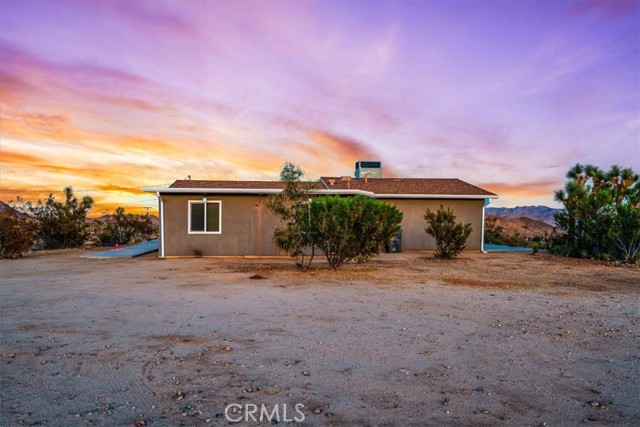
pixel 111 96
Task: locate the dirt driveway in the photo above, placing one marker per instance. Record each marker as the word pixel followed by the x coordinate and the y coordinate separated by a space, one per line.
pixel 485 340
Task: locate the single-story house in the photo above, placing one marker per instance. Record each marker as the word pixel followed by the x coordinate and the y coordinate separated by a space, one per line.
pixel 217 218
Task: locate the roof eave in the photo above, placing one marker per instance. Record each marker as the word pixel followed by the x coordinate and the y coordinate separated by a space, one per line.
pixel 171 190
pixel 436 196
pixel 181 190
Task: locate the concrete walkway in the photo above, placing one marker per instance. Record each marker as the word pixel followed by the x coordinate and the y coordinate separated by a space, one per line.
pixel 127 251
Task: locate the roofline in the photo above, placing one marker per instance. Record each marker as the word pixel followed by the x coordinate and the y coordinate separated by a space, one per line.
pixel 436 196
pixel 181 190
pixel 170 190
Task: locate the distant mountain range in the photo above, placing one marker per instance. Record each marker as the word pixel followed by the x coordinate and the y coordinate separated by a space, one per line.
pixel 4 207
pixel 540 213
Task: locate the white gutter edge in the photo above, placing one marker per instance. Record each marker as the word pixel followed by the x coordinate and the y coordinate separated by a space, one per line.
pixel 161 225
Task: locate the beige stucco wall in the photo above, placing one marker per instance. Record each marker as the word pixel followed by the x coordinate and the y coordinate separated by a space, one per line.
pixel 247 226
pixel 413 223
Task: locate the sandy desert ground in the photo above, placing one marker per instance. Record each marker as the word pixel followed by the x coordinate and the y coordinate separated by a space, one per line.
pixel 501 339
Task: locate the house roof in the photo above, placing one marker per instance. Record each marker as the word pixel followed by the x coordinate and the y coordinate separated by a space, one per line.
pixel 408 186
pixel 373 187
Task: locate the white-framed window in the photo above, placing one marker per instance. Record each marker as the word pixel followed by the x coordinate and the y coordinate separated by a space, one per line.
pixel 205 217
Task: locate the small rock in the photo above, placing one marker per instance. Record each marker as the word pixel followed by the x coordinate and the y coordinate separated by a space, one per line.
pixel 594 404
pixel 178 396
pixel 306 374
pixel 317 411
pixel 272 390
pixel 141 423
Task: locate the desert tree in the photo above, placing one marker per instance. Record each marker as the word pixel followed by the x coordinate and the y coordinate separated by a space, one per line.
pixel 291 208
pixel 601 212
pixel 62 224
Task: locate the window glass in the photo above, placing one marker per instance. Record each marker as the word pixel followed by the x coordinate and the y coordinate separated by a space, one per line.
pixel 197 216
pixel 213 217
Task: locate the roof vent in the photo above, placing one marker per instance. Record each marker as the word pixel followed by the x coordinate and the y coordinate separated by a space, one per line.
pixel 348 180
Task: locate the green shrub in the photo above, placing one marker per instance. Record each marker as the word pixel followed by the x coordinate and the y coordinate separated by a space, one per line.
pixel 345 229
pixel 16 234
pixel 451 237
pixel 352 228
pixel 535 247
pixel 559 249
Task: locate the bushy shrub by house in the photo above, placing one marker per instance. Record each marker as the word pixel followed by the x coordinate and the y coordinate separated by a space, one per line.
pixel 345 229
pixel 450 236
pixel 352 228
